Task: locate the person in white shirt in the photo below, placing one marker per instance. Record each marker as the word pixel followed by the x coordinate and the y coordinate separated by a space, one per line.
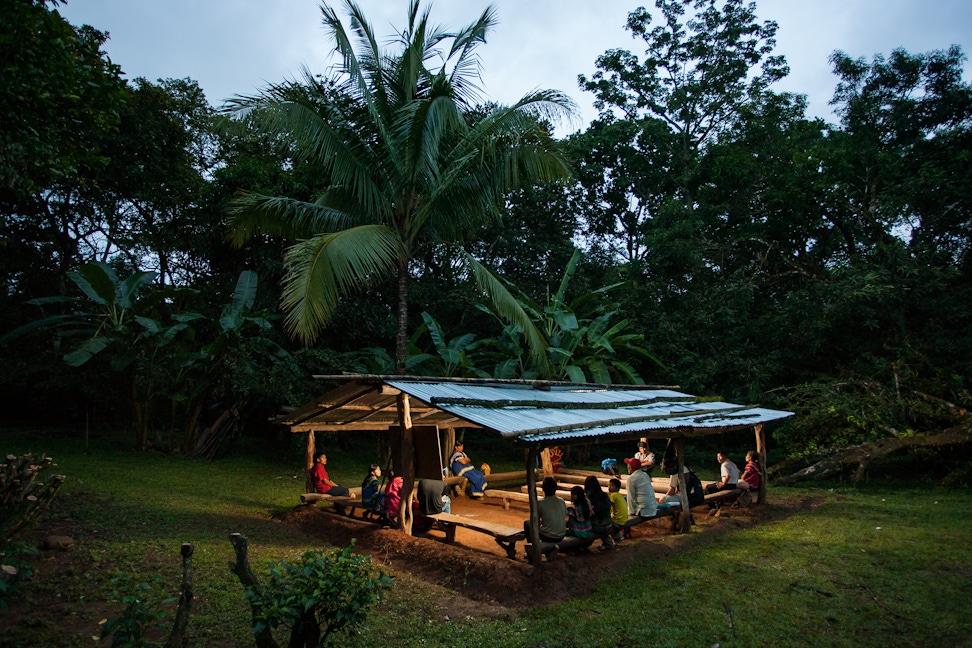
pixel 729 472
pixel 641 494
pixel 646 456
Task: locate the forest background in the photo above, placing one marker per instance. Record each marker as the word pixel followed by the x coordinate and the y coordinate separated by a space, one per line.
pixel 730 245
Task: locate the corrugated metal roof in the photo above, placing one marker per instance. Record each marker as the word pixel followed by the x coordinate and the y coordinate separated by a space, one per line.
pixel 541 413
pixel 563 413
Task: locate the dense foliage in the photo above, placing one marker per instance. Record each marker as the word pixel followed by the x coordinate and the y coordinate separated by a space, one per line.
pixel 765 256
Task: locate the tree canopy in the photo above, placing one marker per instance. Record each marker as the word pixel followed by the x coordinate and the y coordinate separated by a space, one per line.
pixel 731 244
pixel 406 159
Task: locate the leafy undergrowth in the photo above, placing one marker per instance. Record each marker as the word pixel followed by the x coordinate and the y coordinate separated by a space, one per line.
pixel 880 565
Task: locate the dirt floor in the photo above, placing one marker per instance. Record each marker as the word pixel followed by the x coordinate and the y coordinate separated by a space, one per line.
pixel 476 568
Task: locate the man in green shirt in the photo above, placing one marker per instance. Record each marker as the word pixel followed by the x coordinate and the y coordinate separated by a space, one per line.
pixel 553 514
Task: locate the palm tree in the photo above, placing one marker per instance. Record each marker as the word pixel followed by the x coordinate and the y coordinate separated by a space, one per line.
pixel 410 158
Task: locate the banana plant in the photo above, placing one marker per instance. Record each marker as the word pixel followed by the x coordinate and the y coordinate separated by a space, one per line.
pixel 454 356
pixel 105 321
pixel 102 320
pixel 183 364
pixel 583 343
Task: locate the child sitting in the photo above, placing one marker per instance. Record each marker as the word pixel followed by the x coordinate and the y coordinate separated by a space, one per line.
pixel 602 523
pixel 370 486
pixel 579 515
pixel 619 508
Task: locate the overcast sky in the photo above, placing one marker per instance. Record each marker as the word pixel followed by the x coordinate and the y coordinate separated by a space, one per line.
pixel 236 46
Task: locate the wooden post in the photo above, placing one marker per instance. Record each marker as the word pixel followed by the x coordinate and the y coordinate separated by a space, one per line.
pixel 761 451
pixel 311 449
pixel 547 463
pixel 408 469
pixel 682 486
pixel 534 538
pixel 450 442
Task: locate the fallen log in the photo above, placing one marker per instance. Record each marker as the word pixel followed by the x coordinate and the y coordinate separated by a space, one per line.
pixel 865 454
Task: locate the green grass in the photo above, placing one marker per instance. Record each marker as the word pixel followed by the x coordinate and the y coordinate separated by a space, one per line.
pixel 869 568
pixel 881 565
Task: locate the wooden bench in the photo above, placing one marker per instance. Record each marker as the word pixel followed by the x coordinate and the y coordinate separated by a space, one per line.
pixel 735 496
pixel 505 536
pixel 342 505
pixel 673 511
pixel 519 476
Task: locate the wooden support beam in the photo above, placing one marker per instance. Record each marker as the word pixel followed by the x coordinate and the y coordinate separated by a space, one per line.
pixel 311 449
pixel 547 463
pixel 448 447
pixel 761 451
pixel 534 539
pixel 686 522
pixel 406 462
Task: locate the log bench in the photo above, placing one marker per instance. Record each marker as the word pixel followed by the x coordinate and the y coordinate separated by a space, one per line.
pixel 672 511
pixel 519 476
pixel 736 495
pixel 342 505
pixel 505 536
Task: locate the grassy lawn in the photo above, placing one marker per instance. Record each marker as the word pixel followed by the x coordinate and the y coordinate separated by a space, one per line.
pixel 881 565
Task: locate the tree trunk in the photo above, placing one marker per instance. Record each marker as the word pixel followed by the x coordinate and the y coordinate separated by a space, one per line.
pixel 264 638
pixel 865 454
pixel 401 335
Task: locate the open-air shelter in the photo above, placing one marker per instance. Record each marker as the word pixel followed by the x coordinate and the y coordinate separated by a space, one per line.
pixel 421 414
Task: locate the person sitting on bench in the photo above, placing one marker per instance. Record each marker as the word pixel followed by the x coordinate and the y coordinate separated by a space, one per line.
pixel 553 514
pixel 462 466
pixel 696 495
pixel 432 500
pixel 619 509
pixel 322 483
pixel 730 476
pixel 752 473
pixel 729 472
pixel 393 495
pixel 602 524
pixel 641 494
pixel 580 516
pixel 370 486
pixel 433 497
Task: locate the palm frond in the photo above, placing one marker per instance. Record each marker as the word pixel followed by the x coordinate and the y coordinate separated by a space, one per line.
pixel 568 275
pixel 628 372
pixel 322 269
pixel 467 70
pixel 251 213
pixel 509 309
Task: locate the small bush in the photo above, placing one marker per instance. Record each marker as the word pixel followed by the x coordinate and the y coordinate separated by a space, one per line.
pixel 142 609
pixel 327 592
